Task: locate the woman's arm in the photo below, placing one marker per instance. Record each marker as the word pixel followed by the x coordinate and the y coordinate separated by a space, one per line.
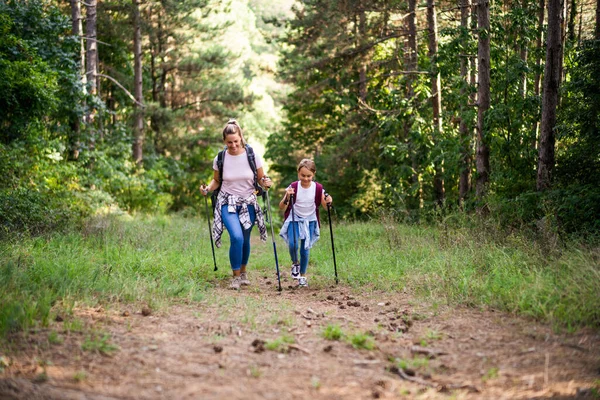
pixel 214 184
pixel 263 180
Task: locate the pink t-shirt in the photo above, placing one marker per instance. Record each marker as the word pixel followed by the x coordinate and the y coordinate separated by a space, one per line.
pixel 238 178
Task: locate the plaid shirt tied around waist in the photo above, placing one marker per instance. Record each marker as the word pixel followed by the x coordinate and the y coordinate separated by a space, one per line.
pixel 232 202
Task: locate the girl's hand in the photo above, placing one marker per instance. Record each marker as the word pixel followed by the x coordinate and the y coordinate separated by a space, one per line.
pixel 204 189
pixel 289 191
pixel 328 199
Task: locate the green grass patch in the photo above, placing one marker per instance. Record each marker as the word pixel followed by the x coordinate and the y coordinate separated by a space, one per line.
pixel 361 341
pixel 99 343
pixel 333 332
pixel 158 260
pixel 280 344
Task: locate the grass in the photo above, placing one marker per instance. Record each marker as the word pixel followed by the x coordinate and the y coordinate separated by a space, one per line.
pixel 418 363
pixel 361 341
pixel 280 344
pixel 333 332
pixel 160 259
pixel 99 343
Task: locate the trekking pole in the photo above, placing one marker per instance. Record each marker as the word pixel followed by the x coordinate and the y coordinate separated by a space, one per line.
pixel 332 244
pixel 273 238
pixel 212 245
pixel 297 272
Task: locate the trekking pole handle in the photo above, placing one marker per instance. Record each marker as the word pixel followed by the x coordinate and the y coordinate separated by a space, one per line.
pixel 264 178
pixel 329 206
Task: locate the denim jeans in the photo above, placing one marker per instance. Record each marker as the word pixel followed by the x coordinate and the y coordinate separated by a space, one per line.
pixel 239 247
pixel 293 242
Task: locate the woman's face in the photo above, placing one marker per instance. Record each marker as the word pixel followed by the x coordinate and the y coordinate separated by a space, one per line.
pixel 234 144
pixel 305 176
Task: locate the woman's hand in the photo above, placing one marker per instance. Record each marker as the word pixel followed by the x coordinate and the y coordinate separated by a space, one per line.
pixel 204 189
pixel 266 182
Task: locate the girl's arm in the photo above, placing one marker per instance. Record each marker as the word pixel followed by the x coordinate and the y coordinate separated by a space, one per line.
pixel 326 199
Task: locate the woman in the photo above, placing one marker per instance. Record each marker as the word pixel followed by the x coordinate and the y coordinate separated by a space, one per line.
pixel 236 205
pixel 302 217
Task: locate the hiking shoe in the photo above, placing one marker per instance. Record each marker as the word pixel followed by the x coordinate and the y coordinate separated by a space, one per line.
pixel 302 282
pixel 235 283
pixel 244 279
pixel 295 271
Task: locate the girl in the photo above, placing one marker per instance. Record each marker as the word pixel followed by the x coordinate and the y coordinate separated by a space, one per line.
pixel 301 203
pixel 236 205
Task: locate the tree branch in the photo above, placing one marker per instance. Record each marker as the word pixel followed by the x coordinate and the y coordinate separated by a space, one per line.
pixel 95 40
pixel 122 87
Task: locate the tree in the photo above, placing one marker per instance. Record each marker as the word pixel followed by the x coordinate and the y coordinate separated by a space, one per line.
pixel 483 97
pixel 77 24
pixel 91 61
pixel 552 76
pixel 465 131
pixel 597 33
pixel 411 56
pixel 436 101
pixel 138 125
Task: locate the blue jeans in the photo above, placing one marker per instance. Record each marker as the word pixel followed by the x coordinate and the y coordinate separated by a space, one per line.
pixel 239 247
pixel 294 240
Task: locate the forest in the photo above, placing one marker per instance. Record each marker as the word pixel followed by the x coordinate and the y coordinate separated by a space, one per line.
pixel 416 110
pixel 460 141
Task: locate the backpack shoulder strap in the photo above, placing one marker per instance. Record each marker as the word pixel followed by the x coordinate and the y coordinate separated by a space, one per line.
pixel 318 194
pixel 252 161
pixel 318 199
pixel 220 162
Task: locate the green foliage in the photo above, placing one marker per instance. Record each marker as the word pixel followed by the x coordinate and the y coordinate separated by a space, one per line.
pixel 577 190
pixel 27 84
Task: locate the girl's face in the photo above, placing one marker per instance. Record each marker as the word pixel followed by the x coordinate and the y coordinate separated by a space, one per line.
pixel 234 144
pixel 305 176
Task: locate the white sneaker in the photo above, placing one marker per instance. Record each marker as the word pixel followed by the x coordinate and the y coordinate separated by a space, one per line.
pixel 295 271
pixel 235 283
pixel 302 282
pixel 244 279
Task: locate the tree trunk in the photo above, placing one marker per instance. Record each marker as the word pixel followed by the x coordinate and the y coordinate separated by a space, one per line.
pixel 138 128
pixel 597 35
pixel 464 184
pixel 538 63
pixel 91 61
pixel 77 27
pixel 483 97
pixel 362 73
pixel 411 65
pixel 524 53
pixel 571 36
pixel 436 100
pixel 552 73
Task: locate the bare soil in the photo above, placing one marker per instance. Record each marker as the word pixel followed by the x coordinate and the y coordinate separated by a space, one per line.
pixel 224 347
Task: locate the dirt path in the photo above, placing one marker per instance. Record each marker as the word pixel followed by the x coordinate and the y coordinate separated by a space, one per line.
pixel 219 349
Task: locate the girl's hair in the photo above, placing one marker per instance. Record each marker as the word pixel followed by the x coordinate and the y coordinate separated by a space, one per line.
pixel 308 164
pixel 232 128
